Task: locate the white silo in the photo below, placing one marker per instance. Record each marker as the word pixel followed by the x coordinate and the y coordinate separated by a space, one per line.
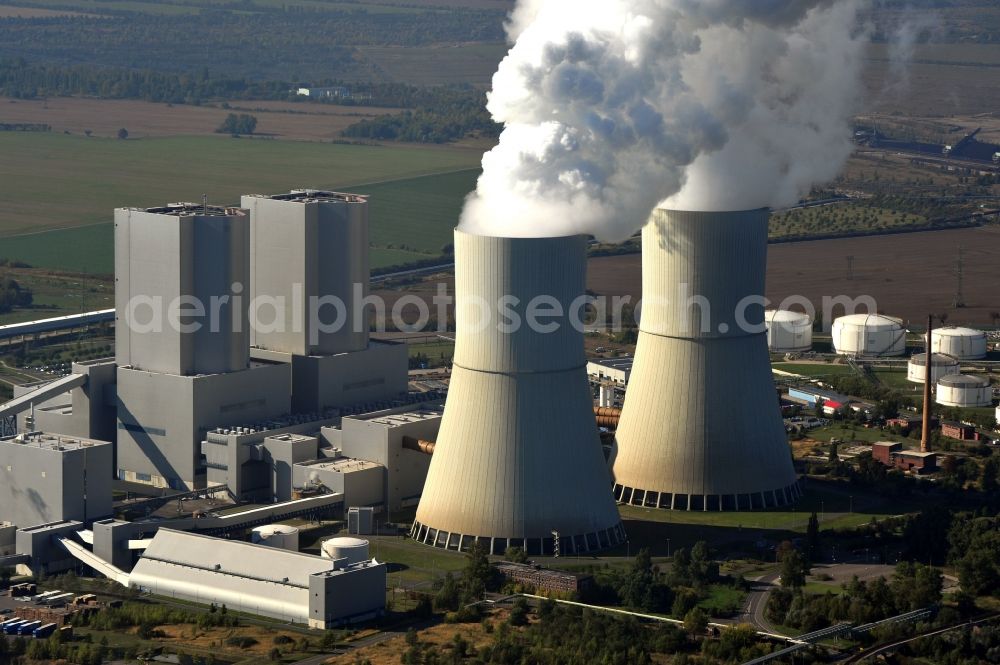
pixel 941 365
pixel 788 331
pixel 964 390
pixel 961 343
pixel 518 459
pixel 869 335
pixel 700 428
pixel 281 536
pixel 354 550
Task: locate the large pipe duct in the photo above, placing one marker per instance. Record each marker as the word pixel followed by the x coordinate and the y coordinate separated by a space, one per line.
pixel 607 416
pixel 518 461
pixel 699 429
pixel 418 445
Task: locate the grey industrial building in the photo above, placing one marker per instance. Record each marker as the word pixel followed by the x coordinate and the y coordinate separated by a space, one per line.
pixel 261 580
pixel 50 477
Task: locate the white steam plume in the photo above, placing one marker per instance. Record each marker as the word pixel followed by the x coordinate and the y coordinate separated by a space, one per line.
pixel 611 107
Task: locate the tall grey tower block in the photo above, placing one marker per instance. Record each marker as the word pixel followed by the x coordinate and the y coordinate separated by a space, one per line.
pixel 309 277
pixel 182 340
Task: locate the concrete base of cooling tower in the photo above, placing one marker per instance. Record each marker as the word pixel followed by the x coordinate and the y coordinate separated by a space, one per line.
pixel 568 544
pixel 701 428
pixel 633 496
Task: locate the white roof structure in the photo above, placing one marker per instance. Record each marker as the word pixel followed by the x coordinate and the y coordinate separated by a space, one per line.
pixel 251 578
pixel 700 428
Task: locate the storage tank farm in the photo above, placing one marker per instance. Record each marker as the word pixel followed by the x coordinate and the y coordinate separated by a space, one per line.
pixel 700 428
pixel 518 460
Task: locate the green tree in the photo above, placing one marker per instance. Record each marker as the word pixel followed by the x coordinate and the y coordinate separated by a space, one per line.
pixel 449 596
pixel 794 569
pixel 813 538
pixel 479 573
pixel 122 134
pixel 989 479
pixel 696 621
pixel 516 554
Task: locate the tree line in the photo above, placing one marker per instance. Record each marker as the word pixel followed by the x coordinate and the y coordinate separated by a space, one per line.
pixel 250 44
pixel 446 120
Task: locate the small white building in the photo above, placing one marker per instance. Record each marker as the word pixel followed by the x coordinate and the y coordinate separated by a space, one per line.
pixel 615 370
pixel 330 92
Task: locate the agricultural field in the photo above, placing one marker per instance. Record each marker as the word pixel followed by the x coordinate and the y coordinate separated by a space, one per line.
pixel 437 65
pixel 94 176
pixel 104 117
pixel 908 275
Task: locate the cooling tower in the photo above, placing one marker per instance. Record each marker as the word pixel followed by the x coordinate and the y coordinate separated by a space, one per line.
pixel 700 428
pixel 518 457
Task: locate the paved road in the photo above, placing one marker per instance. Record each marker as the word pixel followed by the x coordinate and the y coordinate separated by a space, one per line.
pixel 753 609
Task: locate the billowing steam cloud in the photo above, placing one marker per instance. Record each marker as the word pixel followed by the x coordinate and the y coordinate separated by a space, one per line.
pixel 611 107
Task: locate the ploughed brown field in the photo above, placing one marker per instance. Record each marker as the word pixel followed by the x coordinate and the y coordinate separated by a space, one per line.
pixel 909 275
pixel 104 117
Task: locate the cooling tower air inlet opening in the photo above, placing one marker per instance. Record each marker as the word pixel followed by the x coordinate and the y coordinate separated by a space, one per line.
pixel 699 429
pixel 518 461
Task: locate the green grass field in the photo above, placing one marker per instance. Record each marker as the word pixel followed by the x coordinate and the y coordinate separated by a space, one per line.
pixel 62 220
pixel 55 181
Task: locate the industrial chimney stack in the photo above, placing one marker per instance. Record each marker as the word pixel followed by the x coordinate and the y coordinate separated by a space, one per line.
pixel 518 461
pixel 925 425
pixel 699 429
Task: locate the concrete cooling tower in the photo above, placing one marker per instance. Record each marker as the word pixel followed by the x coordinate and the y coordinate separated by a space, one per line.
pixel 700 428
pixel 518 461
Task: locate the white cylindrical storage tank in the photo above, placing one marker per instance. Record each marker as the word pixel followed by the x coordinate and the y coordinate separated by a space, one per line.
pixel 280 536
pixel 788 331
pixel 961 343
pixel 941 365
pixel 518 455
pixel 964 390
pixel 355 550
pixel 700 428
pixel 869 335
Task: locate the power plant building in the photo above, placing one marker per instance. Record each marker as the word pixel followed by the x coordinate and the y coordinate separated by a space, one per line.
pixel 309 280
pixel 518 461
pixel 47 478
pixel 700 428
pixel 180 374
pixel 267 581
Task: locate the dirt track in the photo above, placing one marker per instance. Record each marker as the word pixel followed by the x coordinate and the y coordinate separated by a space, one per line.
pixel 909 275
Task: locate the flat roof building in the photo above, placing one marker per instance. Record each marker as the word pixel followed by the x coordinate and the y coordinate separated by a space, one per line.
pixel 48 478
pixel 267 581
pixel 615 370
